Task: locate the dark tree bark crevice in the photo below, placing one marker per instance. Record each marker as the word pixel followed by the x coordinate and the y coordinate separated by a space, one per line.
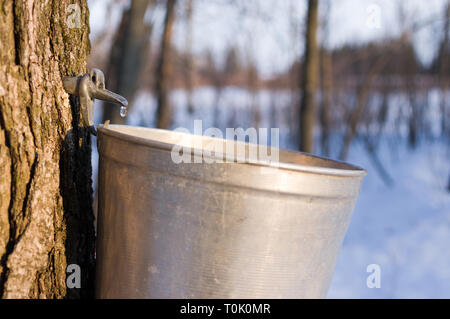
pixel 16 38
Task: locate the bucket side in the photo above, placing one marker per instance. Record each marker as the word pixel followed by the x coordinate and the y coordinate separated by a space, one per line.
pixel 215 230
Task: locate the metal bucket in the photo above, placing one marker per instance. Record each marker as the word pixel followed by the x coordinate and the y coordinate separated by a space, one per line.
pixel 231 230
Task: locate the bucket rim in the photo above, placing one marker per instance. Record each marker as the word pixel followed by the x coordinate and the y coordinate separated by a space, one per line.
pixel 350 170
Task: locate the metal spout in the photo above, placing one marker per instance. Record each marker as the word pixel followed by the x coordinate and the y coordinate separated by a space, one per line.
pixel 107 95
pixel 89 87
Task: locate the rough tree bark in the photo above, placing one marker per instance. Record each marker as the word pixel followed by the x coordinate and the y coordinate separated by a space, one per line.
pixel 46 219
pixel 130 47
pixel 163 72
pixel 309 80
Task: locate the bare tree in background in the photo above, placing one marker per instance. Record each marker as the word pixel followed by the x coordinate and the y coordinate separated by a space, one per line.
pixel 292 115
pixel 189 69
pixel 406 65
pixel 417 92
pixel 408 71
pixel 215 76
pixel 326 86
pixel 444 76
pixel 309 79
pixel 363 92
pixel 444 67
pixel 222 76
pixel 163 71
pixel 252 83
pixel 372 139
pixel 128 52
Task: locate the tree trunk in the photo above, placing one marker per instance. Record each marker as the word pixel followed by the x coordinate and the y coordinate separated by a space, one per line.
pixel 130 47
pixel 361 102
pixel 164 69
pixel 46 219
pixel 326 86
pixel 325 110
pixel 189 70
pixel 443 78
pixel 309 83
pixel 448 184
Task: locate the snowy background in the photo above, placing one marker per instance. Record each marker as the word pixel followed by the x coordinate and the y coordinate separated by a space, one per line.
pixel 404 228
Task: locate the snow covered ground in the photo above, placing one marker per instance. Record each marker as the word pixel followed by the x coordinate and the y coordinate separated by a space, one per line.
pixel 403 228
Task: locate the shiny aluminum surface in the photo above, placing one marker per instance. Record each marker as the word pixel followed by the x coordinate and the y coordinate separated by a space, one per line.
pixel 221 230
